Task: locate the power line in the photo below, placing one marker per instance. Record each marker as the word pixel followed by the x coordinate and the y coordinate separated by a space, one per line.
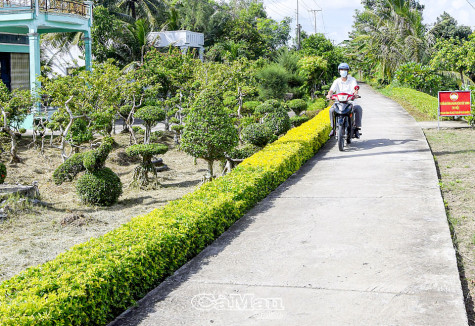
pixel 273 10
pixel 323 21
pixel 304 4
pixel 280 4
pixel 314 11
pixel 470 4
pixel 317 4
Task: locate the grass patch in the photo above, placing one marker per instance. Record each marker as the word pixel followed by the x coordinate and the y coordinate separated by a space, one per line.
pixel 454 154
pixel 421 106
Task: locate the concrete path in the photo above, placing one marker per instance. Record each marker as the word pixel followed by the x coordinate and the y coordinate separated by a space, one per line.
pixel 354 238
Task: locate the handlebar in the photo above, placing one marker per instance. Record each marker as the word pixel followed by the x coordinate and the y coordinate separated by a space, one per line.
pixel 349 96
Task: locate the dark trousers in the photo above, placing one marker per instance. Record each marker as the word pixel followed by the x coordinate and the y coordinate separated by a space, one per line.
pixel 358 115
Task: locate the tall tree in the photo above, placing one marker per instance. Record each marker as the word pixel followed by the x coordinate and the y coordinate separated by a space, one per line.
pixel 388 33
pixel 446 27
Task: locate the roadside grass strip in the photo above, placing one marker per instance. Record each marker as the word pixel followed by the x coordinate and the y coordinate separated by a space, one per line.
pixel 93 282
pixel 416 100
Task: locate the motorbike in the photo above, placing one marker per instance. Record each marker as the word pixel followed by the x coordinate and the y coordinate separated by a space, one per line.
pixel 344 119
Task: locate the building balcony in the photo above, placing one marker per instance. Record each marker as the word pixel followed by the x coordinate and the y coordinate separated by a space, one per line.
pixel 8 7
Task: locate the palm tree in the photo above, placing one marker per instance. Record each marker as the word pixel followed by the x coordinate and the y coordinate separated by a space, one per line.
pixel 388 33
pixel 131 10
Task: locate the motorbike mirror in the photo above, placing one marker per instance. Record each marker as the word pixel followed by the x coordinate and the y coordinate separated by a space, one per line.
pixel 357 87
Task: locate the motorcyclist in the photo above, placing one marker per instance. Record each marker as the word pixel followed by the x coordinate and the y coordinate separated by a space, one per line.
pixel 345 84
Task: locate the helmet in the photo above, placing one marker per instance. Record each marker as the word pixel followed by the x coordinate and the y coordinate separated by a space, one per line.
pixel 343 66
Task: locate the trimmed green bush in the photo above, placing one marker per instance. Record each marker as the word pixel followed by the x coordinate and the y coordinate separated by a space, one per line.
pixel 138 130
pixel 93 282
pixel 99 186
pixel 125 110
pixel 278 122
pixel 150 114
pixel 243 152
pixel 3 172
pixel 78 162
pixel 269 107
pixel 147 151
pixel 69 169
pixel 297 105
pixel 102 187
pixel 257 134
pixel 177 127
pixel 95 160
pixel 298 120
pixel 319 104
pixel 249 107
pixel 156 136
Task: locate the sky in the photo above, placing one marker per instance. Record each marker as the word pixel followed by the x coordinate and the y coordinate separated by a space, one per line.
pixel 335 19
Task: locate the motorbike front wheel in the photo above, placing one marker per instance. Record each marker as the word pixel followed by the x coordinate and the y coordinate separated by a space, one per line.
pixel 341 137
pixel 348 135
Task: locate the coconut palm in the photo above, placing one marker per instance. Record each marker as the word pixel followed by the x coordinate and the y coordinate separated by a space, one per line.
pixel 388 33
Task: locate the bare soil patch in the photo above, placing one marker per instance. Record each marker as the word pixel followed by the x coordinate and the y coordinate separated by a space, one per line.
pixel 36 234
pixel 454 153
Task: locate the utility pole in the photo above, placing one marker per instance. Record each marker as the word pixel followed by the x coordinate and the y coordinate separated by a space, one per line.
pixel 314 11
pixel 298 27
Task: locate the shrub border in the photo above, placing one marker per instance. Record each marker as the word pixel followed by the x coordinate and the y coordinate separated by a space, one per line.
pixel 95 281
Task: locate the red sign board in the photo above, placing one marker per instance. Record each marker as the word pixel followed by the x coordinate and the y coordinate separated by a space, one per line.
pixel 455 103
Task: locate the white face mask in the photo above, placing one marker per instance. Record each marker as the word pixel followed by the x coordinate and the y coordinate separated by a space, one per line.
pixel 343 73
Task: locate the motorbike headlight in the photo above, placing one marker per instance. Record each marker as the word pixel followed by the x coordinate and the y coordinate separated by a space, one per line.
pixel 342 98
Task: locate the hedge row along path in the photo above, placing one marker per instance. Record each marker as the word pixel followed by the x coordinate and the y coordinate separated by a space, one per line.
pixel 95 281
pixel 353 238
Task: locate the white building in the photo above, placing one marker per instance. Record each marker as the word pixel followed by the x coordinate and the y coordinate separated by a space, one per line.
pixel 182 39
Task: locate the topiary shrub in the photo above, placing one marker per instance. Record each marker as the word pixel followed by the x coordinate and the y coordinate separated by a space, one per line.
pixel 93 162
pixel 101 187
pixel 269 107
pixel 257 134
pixel 318 105
pixel 3 172
pixel 298 120
pixel 138 130
pixel 156 136
pixel 146 151
pixel 209 131
pixel 69 169
pixel 297 105
pixel 150 115
pixel 249 107
pixel 243 152
pixel 278 122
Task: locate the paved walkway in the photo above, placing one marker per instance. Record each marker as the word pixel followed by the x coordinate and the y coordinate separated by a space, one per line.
pixel 354 238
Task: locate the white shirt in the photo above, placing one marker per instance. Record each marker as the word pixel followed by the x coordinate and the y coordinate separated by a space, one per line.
pixel 340 86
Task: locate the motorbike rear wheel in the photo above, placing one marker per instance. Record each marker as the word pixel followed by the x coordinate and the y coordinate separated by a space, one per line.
pixel 341 138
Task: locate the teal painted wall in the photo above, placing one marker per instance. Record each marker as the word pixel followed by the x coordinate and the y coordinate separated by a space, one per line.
pixel 15 48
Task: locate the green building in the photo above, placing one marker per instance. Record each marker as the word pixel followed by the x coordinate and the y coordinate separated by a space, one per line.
pixel 21 24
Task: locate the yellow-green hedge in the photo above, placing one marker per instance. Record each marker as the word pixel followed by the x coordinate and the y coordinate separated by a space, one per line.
pixel 93 282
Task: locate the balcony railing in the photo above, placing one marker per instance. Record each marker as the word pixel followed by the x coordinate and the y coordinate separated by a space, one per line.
pixel 55 6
